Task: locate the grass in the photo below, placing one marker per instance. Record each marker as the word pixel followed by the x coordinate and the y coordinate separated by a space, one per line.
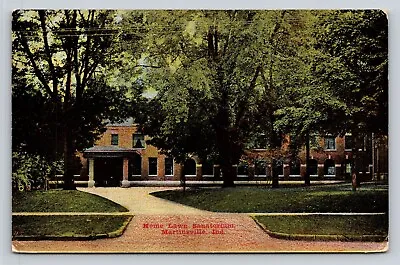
pixel 68 226
pixel 369 198
pixel 65 226
pixel 347 226
pixel 62 201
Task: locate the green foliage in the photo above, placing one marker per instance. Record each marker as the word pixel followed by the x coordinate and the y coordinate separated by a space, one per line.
pixel 64 61
pixel 78 227
pixel 65 89
pixel 217 84
pixel 32 116
pixel 344 83
pixel 332 198
pixel 62 201
pixel 31 171
pixel 202 82
pixel 354 64
pixel 347 226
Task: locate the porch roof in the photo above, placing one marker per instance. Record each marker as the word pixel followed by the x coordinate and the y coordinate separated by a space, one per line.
pixel 108 151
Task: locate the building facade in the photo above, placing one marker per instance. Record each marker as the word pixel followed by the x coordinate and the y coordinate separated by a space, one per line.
pixel 121 157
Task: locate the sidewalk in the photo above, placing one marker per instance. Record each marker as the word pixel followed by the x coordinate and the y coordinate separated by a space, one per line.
pixel 243 236
pixel 161 226
pixel 139 201
pixel 213 213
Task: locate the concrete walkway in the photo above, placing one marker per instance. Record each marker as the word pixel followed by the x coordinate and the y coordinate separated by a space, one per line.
pixel 139 201
pixel 163 226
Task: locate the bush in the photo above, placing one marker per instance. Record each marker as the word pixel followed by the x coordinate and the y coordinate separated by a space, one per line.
pixel 30 171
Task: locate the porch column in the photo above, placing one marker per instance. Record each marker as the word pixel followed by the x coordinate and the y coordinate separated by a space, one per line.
pixel 286 171
pixel 125 170
pixel 321 169
pixel 338 171
pixel 269 171
pixel 91 173
pixel 217 171
pixel 199 171
pixel 251 171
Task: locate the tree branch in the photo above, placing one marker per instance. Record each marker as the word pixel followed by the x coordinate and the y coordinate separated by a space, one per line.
pixel 68 51
pixel 49 54
pixel 85 60
pixel 75 43
pixel 246 98
pixel 36 69
pixel 147 66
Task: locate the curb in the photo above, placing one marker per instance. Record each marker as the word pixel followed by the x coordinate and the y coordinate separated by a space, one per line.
pixel 76 237
pixel 307 237
pixel 72 213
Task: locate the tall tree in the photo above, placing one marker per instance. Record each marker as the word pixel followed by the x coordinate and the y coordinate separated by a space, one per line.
pixel 355 68
pixel 216 80
pixel 64 55
pixel 344 84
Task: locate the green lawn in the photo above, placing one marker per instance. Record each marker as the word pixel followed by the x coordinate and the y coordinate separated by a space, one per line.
pixel 348 226
pixel 68 226
pixel 65 226
pixel 329 198
pixel 62 201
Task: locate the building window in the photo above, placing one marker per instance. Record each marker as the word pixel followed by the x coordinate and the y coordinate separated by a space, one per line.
pixel 261 141
pixel 208 168
pixel 348 142
pixel 169 166
pixel 136 165
pixel 260 168
pixel 152 166
pixel 329 167
pixel 138 141
pixel 314 141
pixel 347 164
pixel 279 167
pixel 114 139
pixel 295 167
pixel 313 166
pixel 190 168
pixel 243 169
pixel 330 143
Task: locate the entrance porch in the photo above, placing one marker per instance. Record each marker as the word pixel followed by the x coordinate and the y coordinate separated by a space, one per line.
pixel 108 165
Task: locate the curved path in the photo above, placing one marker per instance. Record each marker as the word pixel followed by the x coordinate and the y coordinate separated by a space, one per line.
pixel 163 226
pixel 139 201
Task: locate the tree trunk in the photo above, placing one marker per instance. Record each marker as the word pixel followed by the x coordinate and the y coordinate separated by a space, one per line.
pixel 275 174
pixel 307 175
pixel 182 178
pixel 355 169
pixel 68 160
pixel 228 175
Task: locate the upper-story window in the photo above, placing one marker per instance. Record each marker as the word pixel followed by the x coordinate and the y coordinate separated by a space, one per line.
pixel 138 141
pixel 348 142
pixel 330 143
pixel 114 139
pixel 261 141
pixel 314 141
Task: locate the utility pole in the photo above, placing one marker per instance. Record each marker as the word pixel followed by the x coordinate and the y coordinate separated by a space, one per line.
pixel 373 158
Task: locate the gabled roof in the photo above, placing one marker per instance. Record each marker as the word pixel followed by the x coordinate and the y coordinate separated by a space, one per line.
pixel 127 122
pixel 107 148
pixel 108 151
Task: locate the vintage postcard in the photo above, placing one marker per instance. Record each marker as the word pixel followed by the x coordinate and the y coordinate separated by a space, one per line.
pixel 199 131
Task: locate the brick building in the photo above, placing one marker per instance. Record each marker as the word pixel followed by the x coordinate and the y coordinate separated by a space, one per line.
pixel 121 156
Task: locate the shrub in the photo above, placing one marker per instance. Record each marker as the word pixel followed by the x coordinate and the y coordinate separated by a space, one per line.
pixel 30 171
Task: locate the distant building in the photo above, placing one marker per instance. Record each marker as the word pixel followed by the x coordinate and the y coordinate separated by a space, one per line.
pixel 121 156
